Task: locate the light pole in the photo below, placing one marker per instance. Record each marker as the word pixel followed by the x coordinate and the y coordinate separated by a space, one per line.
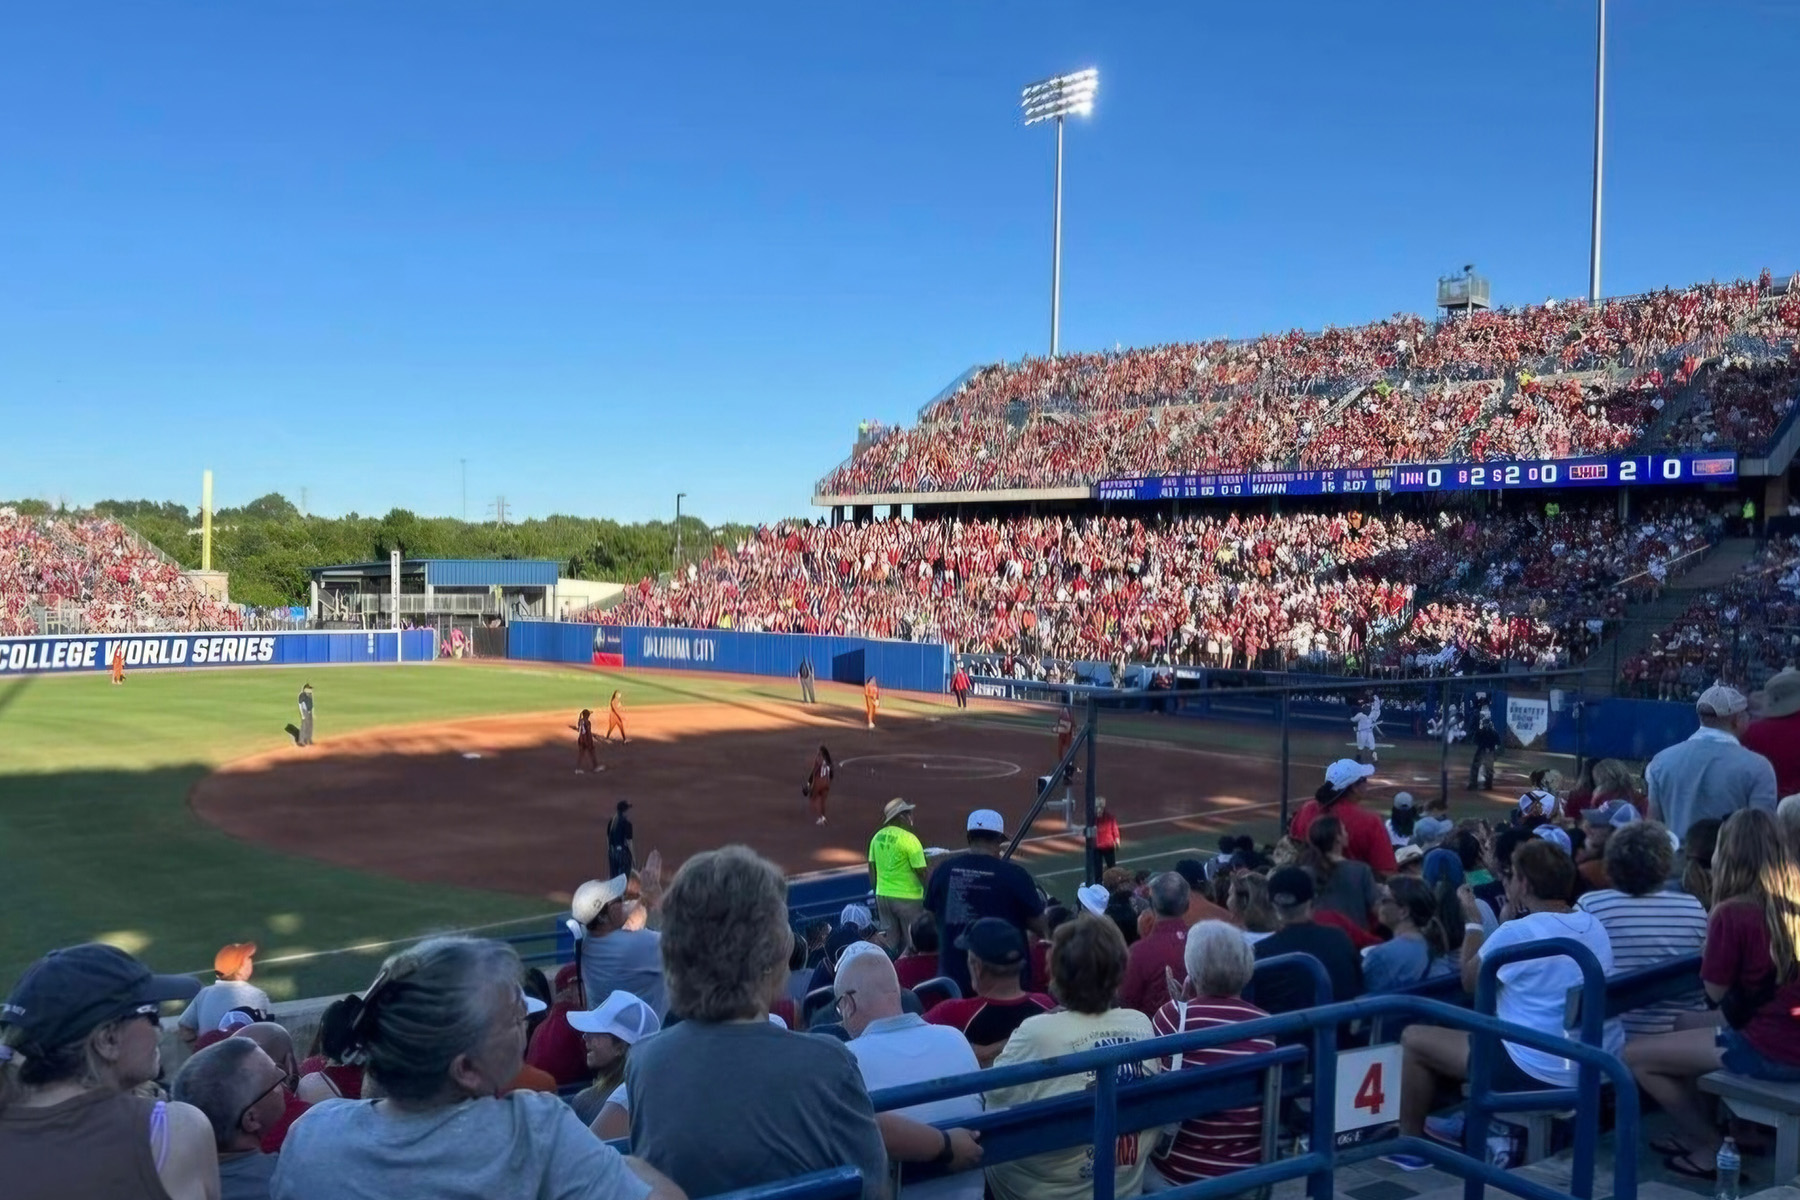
pixel 679 497
pixel 1599 154
pixel 1053 99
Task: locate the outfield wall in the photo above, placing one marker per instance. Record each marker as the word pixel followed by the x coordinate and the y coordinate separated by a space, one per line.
pixel 906 666
pixel 84 653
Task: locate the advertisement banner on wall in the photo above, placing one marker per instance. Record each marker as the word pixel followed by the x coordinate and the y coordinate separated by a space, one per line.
pixel 1526 722
pixel 609 648
pixel 141 651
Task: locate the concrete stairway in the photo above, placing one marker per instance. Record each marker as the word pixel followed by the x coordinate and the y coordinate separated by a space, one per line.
pixel 1644 620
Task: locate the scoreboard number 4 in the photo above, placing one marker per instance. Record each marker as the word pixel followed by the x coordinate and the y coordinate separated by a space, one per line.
pixel 1368 1087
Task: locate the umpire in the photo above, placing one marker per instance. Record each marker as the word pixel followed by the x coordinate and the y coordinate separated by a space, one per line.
pixel 806 680
pixel 306 715
pixel 1487 749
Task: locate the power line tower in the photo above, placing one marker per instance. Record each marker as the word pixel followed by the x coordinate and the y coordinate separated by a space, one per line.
pixel 497 510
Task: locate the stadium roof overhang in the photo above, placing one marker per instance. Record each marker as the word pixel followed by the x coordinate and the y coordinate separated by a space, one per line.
pixel 452 572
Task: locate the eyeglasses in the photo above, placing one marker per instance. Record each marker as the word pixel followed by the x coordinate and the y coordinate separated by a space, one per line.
pixel 261 1096
pixel 843 996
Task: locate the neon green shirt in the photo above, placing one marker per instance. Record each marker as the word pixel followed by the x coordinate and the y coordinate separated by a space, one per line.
pixel 898 856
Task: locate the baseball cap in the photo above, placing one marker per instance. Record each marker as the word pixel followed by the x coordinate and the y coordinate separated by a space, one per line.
pixel 1556 837
pixel 1291 886
pixel 856 916
pixel 1192 870
pixel 841 939
pixel 533 1006
pixel 894 808
pixel 621 1014
pixel 1721 701
pixel 232 958
pixel 1408 854
pixel 986 820
pixel 592 897
pixel 67 994
pixel 995 941
pixel 1346 771
pixel 1403 799
pixel 1093 897
pixel 1615 812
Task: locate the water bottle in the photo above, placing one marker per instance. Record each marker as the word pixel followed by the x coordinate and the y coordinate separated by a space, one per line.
pixel 1729 1166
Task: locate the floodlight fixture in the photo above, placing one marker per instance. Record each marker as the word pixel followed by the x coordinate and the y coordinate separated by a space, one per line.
pixel 1053 99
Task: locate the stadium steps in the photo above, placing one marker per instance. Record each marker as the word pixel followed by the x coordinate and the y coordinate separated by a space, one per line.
pixel 1643 621
pixel 1679 405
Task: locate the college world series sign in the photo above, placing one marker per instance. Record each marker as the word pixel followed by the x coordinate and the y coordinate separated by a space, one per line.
pixel 94 652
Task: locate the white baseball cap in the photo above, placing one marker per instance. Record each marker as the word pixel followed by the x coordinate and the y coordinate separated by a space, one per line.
pixel 1556 837
pixel 986 820
pixel 533 1006
pixel 594 895
pixel 856 915
pixel 1346 771
pixel 1403 799
pixel 621 1014
pixel 1721 701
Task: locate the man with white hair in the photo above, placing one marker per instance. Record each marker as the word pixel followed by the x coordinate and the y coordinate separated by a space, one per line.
pixel 239 1088
pixel 1710 774
pixel 893 1048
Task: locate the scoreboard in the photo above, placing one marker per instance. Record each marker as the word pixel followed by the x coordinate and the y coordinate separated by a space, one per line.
pixel 1631 471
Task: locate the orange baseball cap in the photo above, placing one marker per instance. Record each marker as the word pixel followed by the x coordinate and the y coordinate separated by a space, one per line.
pixel 231 959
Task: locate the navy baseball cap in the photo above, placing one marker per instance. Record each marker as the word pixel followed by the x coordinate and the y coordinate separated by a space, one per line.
pixel 67 994
pixel 1291 886
pixel 994 941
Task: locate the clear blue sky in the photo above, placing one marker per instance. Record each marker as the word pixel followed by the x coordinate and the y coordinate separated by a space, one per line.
pixel 609 252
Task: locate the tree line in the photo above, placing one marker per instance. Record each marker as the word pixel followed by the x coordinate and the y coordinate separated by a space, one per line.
pixel 268 546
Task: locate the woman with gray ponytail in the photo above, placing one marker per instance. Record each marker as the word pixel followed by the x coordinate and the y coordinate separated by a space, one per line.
pixel 442 1033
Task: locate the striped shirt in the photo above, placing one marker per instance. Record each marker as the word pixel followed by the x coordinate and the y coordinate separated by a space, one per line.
pixel 1221 1142
pixel 1646 930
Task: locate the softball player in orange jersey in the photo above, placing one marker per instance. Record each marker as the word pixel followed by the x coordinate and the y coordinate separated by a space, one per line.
pixel 871 699
pixel 615 719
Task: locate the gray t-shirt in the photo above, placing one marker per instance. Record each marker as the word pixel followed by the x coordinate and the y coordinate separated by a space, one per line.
pixel 522 1146
pixel 206 1010
pixel 792 1103
pixel 246 1176
pixel 629 960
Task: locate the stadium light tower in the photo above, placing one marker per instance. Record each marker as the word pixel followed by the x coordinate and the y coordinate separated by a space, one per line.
pixel 1052 100
pixel 1599 154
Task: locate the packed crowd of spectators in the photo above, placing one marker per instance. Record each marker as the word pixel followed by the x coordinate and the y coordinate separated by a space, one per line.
pixel 1742 632
pixel 98 571
pixel 1274 401
pixel 1742 406
pixel 459 1074
pixel 1218 590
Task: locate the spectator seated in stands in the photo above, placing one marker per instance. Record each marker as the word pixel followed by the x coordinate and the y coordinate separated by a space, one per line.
pixel 1748 970
pixel 608 1032
pixel 1087 965
pixel 894 1048
pixel 1158 956
pixel 1341 886
pixel 798 1102
pixel 921 961
pixel 443 1028
pixel 1218 965
pixel 1604 780
pixel 1247 899
pixel 334 1070
pixel 1645 921
pixel 613 949
pixel 1420 918
pixel 1595 829
pixel 1533 993
pixel 79 1032
pixel 242 1091
pixel 556 1047
pixel 1200 904
pixel 1289 989
pixel 996 955
pixel 233 965
pixel 276 1042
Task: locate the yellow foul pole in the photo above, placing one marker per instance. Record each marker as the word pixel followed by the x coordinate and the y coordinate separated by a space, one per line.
pixel 206 521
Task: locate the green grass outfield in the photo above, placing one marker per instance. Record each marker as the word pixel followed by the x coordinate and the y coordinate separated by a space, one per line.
pixel 97 840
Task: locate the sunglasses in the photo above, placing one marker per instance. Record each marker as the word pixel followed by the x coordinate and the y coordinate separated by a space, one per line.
pixel 261 1096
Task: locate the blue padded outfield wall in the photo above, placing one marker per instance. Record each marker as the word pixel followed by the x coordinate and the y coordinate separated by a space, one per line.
pixel 908 666
pixel 93 652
